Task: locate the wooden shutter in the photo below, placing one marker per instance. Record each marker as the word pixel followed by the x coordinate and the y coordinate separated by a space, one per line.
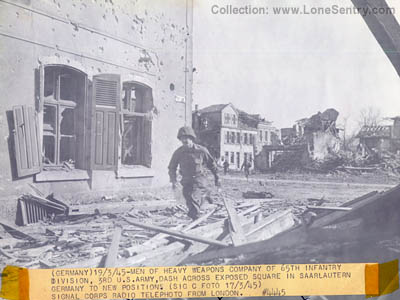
pixel 105 121
pixel 82 125
pixel 147 129
pixel 26 141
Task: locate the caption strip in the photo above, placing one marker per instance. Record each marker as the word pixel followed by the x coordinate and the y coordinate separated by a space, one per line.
pixel 200 281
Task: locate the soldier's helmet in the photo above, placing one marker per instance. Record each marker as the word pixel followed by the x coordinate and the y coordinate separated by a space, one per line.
pixel 186 131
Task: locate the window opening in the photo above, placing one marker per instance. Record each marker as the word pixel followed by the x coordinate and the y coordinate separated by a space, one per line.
pixel 137 103
pixel 64 98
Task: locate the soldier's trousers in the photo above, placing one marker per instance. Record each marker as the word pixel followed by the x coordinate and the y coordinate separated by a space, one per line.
pixel 195 193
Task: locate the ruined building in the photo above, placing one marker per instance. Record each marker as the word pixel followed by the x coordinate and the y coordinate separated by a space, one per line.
pixel 93 92
pixel 312 138
pixel 380 138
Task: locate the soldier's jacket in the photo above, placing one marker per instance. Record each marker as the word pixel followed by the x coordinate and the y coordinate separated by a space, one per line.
pixel 192 163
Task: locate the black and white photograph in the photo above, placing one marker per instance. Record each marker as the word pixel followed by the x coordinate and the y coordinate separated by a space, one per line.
pixel 152 133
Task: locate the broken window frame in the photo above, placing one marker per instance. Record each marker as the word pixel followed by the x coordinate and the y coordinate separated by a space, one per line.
pixel 141 111
pixel 55 100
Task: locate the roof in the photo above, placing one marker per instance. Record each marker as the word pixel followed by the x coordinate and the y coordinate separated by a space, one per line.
pixel 375 131
pixel 256 118
pixel 244 126
pixel 213 108
pixel 285 147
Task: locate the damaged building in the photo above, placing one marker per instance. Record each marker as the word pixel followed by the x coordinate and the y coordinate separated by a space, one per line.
pixel 94 93
pixel 312 138
pixel 385 138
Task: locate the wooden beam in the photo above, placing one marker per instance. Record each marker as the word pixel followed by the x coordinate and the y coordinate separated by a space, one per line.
pixel 17 233
pixel 90 263
pixel 161 238
pixel 336 208
pixel 112 254
pixel 357 204
pixel 157 254
pixel 118 207
pixel 283 221
pixel 235 228
pixel 383 26
pixel 178 250
pixel 285 239
pixel 177 233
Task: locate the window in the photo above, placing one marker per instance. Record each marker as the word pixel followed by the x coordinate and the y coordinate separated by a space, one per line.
pixel 245 139
pixel 245 156
pixel 266 136
pixel 238 159
pixel 251 139
pixel 227 137
pixel 121 125
pixel 232 137
pixel 250 157
pixel 63 117
pixel 238 137
pixel 136 137
pixel 234 119
pixel 232 157
pixel 261 135
pixel 227 118
pixel 226 156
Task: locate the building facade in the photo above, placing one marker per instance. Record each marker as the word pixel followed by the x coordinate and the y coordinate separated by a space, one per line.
pixel 267 134
pixel 93 92
pixel 221 130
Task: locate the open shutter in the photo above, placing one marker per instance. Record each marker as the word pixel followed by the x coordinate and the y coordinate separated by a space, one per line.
pixel 147 128
pixel 105 121
pixel 26 141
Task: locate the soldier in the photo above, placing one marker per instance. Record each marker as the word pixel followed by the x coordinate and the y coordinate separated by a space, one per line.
pixel 226 166
pixel 192 160
pixel 246 166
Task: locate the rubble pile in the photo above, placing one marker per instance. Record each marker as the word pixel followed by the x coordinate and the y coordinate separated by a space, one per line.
pixel 342 161
pixel 385 161
pixel 151 232
pixel 289 161
pixel 330 163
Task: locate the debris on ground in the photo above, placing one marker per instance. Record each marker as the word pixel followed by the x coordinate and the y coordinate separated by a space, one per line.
pixel 136 233
pixel 257 195
pixel 146 230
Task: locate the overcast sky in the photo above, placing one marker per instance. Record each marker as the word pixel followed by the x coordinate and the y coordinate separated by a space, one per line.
pixel 287 67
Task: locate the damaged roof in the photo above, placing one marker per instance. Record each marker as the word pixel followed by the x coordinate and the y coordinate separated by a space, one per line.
pixel 214 108
pixel 375 131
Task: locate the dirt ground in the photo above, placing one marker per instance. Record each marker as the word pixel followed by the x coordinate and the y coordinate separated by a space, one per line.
pixel 298 190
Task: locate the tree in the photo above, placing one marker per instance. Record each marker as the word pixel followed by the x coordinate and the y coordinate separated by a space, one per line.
pixel 369 116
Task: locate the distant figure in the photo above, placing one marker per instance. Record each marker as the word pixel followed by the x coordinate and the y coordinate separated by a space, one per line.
pixel 226 166
pixel 246 166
